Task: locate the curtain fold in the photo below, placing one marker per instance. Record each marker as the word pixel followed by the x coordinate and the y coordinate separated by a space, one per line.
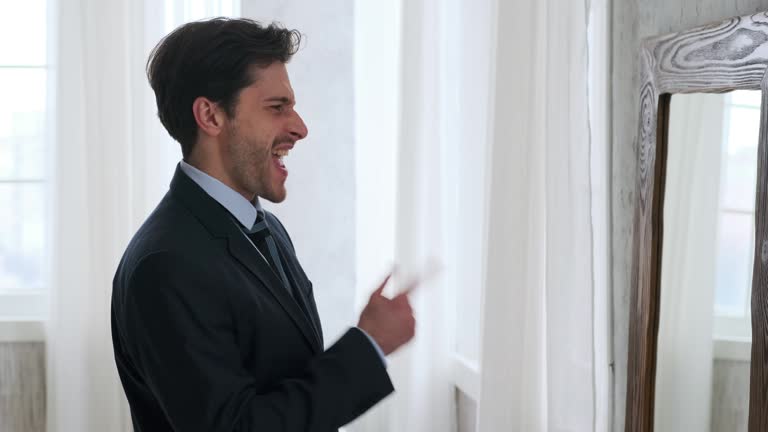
pixel 93 205
pixel 544 361
pixel 538 370
pixel 422 371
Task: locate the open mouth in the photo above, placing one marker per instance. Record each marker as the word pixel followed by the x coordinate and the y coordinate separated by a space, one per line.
pixel 278 156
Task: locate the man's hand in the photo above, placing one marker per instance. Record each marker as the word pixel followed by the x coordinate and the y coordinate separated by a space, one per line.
pixel 389 322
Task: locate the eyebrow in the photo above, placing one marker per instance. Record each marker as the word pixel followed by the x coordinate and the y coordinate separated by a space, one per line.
pixel 281 99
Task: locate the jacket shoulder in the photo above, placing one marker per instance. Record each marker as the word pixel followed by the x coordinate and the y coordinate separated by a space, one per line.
pixel 170 230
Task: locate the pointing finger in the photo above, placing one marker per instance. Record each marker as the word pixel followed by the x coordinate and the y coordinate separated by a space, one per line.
pixel 381 287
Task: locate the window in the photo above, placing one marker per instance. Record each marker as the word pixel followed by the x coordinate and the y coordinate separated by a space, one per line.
pixel 736 227
pixel 27 120
pixel 466 137
pixel 25 117
pixel 459 75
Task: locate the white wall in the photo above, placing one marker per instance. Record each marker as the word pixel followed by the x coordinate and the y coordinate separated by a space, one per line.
pixel 634 20
pixel 377 71
pixel 319 212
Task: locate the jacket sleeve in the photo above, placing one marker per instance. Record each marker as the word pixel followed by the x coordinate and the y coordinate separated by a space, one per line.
pixel 178 330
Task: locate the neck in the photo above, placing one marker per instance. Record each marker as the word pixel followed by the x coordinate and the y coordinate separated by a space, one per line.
pixel 216 170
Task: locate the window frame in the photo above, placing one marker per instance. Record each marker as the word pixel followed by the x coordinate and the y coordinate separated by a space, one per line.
pixel 22 310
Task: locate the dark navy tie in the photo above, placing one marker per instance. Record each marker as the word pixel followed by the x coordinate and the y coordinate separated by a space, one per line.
pixel 265 243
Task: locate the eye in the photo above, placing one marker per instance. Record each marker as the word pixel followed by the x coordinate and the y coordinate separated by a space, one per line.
pixel 278 108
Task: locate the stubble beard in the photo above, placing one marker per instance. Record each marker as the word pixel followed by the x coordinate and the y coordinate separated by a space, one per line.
pixel 252 168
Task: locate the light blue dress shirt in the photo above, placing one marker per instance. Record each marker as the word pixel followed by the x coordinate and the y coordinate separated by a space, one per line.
pixel 243 210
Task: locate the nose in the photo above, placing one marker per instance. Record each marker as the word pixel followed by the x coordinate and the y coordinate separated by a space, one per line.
pixel 298 128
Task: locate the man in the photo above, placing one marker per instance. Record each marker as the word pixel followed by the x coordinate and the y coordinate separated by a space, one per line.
pixel 214 323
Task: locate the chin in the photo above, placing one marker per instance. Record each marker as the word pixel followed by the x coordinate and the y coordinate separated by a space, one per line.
pixel 276 198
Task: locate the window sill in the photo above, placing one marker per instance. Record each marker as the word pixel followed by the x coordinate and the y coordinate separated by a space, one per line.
pixel 22 331
pixel 733 349
pixel 23 305
pixel 466 376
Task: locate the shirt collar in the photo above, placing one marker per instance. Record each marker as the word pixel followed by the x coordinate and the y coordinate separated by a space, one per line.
pixel 243 210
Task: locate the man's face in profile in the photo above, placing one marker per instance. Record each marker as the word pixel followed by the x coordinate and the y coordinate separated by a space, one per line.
pixel 263 130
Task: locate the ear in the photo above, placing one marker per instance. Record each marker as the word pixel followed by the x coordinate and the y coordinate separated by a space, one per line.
pixel 209 116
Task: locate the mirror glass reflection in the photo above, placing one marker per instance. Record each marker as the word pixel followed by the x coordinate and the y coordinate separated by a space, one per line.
pixel 704 338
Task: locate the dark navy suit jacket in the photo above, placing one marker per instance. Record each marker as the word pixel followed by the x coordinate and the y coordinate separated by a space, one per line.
pixel 207 338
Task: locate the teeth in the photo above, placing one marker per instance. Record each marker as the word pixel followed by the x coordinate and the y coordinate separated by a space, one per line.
pixel 281 153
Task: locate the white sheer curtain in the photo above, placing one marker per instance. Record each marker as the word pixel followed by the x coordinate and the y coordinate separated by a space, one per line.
pixel 112 164
pixel 433 118
pixel 689 252
pixel 539 368
pixel 544 359
pixel 422 372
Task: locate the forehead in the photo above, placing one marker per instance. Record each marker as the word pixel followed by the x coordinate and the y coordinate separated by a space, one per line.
pixel 270 82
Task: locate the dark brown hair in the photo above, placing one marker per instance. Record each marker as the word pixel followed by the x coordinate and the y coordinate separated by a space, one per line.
pixel 215 59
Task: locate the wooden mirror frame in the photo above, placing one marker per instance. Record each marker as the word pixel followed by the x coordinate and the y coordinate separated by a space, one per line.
pixel 715 58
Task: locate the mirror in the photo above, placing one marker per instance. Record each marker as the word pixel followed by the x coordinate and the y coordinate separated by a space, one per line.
pixel 700 213
pixel 704 335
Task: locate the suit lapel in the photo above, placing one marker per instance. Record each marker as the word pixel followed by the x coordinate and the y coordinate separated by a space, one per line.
pixel 247 255
pixel 291 264
pixel 218 222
